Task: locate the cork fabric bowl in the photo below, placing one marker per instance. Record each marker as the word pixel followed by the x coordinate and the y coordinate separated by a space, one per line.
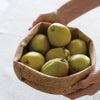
pixel 46 83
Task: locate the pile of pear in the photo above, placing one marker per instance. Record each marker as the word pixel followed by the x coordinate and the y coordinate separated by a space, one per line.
pixel 55 53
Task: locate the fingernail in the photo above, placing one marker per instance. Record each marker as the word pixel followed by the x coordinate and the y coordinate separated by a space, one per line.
pixel 30 28
pixel 75 86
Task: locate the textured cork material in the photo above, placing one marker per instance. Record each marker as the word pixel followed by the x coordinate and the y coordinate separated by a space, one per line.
pixel 46 83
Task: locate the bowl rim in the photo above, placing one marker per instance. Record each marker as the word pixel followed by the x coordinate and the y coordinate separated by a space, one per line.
pixel 22 45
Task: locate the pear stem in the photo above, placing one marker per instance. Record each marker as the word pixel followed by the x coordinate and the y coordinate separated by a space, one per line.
pixel 52 28
pixel 63 55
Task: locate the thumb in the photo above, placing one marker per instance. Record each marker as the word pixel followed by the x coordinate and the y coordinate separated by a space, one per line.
pixel 39 19
pixel 83 84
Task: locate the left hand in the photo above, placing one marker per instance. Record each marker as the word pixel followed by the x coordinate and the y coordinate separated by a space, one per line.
pixel 88 86
pixel 52 17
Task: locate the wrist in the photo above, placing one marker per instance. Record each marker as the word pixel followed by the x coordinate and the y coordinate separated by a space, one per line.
pixel 76 8
pixel 63 15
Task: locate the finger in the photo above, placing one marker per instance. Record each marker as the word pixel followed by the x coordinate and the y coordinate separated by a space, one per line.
pixel 39 19
pixel 85 83
pixel 30 28
pixel 82 84
pixel 34 23
pixel 88 91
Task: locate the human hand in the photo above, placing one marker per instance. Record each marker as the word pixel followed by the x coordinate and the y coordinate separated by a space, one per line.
pixel 88 86
pixel 49 17
pixel 67 12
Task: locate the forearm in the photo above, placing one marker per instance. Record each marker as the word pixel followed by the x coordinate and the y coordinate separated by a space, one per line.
pixel 76 8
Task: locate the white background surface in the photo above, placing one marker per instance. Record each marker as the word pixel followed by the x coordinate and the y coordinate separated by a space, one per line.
pixel 15 18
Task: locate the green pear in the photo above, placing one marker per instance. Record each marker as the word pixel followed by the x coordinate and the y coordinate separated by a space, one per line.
pixel 57 53
pixel 77 46
pixel 78 62
pixel 56 67
pixel 33 59
pixel 59 35
pixel 39 43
